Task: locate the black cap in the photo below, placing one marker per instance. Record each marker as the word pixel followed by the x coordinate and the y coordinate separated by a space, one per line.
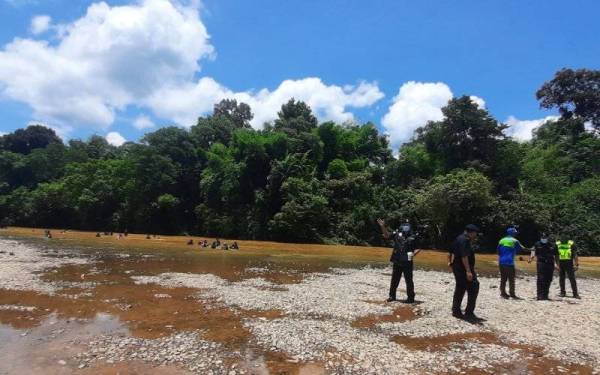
pixel 472 228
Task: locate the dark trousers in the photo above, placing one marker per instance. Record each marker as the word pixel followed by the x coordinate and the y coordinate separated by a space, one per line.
pixel 566 269
pixel 545 272
pixel 507 273
pixel 400 268
pixel 462 286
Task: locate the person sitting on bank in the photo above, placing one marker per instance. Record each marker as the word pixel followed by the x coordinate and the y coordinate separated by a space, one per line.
pixel 190 242
pixel 234 246
pixel 214 245
pixel 568 263
pixel 507 248
pixel 225 246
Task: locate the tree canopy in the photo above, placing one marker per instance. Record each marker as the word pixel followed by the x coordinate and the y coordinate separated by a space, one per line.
pixel 304 181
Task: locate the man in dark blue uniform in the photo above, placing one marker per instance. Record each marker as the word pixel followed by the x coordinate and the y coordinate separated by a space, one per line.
pixel 463 267
pixel 402 259
pixel 545 254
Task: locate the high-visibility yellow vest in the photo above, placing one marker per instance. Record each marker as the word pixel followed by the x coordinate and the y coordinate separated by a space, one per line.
pixel 564 250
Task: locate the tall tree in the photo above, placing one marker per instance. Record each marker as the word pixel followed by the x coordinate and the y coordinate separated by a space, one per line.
pixel 468 136
pixel 295 117
pixel 240 114
pixel 23 141
pixel 576 93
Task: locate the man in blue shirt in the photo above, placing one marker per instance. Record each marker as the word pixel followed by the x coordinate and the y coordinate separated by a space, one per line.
pixel 508 247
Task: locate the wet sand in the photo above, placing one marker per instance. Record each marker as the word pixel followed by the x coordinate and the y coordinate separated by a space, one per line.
pixel 304 257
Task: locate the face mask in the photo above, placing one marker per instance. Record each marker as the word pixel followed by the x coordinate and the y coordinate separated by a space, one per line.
pixel 405 228
pixel 544 240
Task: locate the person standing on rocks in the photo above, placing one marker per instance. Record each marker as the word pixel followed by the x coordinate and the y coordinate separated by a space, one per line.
pixel 544 252
pixel 508 247
pixel 463 267
pixel 568 264
pixel 402 259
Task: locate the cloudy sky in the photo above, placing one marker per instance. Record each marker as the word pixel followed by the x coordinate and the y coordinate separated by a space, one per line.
pixel 123 68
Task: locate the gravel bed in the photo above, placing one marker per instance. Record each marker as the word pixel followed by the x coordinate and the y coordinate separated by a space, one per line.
pixel 320 308
pixel 317 320
pixel 17 308
pixel 21 264
pixel 186 349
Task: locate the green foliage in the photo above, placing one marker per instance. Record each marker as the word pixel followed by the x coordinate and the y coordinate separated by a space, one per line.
pixel 576 93
pixel 337 169
pixel 414 162
pixel 23 141
pixel 454 200
pixel 295 118
pixel 298 180
pixel 467 137
pixel 304 214
pixel 239 114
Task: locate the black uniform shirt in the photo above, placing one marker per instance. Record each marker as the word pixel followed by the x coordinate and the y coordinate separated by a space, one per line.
pixel 545 252
pixel 402 246
pixel 462 248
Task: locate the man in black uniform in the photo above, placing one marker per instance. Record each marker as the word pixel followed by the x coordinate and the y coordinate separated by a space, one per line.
pixel 402 259
pixel 544 252
pixel 463 267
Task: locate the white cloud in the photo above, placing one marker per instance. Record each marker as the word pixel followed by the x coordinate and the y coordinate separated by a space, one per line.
pixel 115 139
pixel 40 24
pixel 416 104
pixel 184 104
pixel 477 100
pixel 522 130
pixel 104 61
pixel 143 122
pixel 144 55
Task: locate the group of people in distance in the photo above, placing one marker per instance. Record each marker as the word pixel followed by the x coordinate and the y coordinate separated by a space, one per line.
pixel 216 244
pixel 560 255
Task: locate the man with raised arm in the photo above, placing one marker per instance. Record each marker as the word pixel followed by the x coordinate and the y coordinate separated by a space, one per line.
pixel 402 259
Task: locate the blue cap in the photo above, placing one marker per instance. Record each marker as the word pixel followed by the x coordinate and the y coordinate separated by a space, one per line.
pixel 511 231
pixel 472 228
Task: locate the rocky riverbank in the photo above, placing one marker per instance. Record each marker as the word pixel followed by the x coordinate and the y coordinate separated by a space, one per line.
pixel 323 322
pixel 320 311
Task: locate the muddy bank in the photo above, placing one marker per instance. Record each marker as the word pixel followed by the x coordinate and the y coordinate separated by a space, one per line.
pixel 313 257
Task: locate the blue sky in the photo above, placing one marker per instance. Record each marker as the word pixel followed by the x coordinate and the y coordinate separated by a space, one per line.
pixel 87 68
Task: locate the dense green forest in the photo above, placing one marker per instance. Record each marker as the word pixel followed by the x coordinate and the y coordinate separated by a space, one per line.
pixel 298 180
